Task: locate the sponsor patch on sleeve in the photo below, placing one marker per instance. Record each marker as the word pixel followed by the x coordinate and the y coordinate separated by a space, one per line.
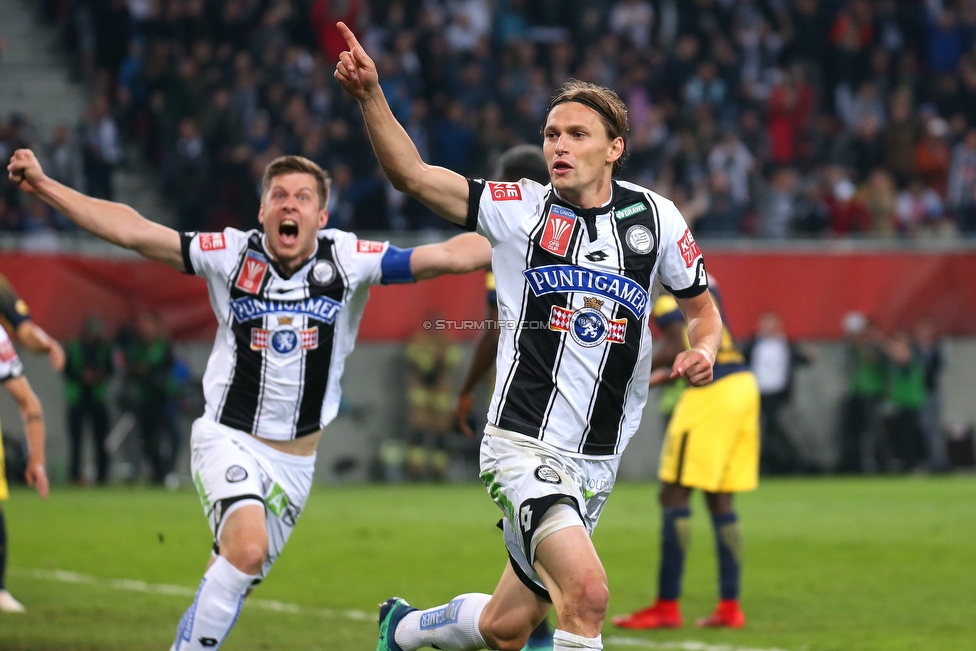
pixel 7 351
pixel 368 246
pixel 689 248
pixel 505 191
pixel 212 241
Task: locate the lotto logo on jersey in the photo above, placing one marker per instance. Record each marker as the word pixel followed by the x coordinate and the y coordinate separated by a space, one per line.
pixel 7 352
pixel 366 246
pixel 212 241
pixel 505 191
pixel 252 273
pixel 689 249
pixel 558 230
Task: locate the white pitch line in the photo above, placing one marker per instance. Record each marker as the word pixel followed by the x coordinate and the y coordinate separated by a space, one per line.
pixel 183 591
pixel 131 585
pixel 687 645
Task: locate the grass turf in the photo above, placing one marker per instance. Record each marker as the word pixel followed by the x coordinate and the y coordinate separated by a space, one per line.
pixel 830 564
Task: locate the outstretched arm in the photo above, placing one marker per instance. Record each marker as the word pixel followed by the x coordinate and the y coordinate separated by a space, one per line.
pixel 112 222
pixel 33 417
pixel 459 255
pixel 444 191
pixel 38 341
pixel 704 335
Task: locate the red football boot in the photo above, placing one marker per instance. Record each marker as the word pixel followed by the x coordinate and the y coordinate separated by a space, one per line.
pixel 663 614
pixel 727 615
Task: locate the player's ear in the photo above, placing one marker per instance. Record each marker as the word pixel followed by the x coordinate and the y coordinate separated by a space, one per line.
pixel 261 212
pixel 616 149
pixel 323 218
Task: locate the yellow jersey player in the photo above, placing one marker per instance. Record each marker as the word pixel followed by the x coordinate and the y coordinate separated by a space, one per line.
pixel 712 444
pixel 12 379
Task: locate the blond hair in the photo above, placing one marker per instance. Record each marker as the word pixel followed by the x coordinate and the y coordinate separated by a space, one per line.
pixel 297 165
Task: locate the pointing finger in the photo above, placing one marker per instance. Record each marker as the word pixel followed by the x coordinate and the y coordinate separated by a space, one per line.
pixel 347 34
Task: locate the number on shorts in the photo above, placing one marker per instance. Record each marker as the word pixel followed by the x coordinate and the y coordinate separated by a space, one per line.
pixel 526 517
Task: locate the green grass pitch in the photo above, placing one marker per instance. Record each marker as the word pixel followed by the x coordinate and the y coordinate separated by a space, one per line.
pixel 830 564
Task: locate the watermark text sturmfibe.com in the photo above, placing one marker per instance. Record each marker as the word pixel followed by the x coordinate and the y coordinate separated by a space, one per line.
pixel 484 324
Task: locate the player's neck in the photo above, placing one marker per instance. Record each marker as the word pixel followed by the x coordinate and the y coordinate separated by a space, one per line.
pixel 594 195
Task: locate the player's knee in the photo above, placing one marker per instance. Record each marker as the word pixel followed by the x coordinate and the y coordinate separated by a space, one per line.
pixel 673 496
pixel 587 600
pixel 247 556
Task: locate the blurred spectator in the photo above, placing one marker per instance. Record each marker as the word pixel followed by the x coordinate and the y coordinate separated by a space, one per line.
pixel 962 183
pixel 860 424
pixel 63 162
pixel 905 399
pixel 847 213
pixel 187 177
pixel 918 208
pixel 87 370
pixel 928 348
pixel 774 360
pixel 101 149
pixel 150 364
pixel 777 205
pixel 431 398
pixel 932 156
pixel 732 158
pixel 880 197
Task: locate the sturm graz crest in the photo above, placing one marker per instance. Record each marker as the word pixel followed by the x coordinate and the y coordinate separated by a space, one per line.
pixel 548 475
pixel 235 474
pixel 323 273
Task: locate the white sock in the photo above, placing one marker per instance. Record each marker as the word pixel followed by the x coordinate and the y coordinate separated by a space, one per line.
pixel 216 607
pixel 563 641
pixel 453 626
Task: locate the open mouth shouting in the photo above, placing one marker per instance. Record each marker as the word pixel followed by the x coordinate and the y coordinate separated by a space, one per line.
pixel 288 232
pixel 561 168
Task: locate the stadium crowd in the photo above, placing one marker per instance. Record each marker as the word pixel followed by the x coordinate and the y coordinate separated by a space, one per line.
pixel 763 118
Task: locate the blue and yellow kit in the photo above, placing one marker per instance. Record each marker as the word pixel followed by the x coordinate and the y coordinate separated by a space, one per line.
pixel 712 440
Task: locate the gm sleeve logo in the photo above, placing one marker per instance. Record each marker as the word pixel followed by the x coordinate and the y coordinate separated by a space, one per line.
pixel 212 241
pixel 366 246
pixel 689 249
pixel 505 191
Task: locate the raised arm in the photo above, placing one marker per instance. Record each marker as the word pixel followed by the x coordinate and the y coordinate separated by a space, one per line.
pixel 459 255
pixel 33 417
pixel 444 191
pixel 38 341
pixel 112 222
pixel 704 336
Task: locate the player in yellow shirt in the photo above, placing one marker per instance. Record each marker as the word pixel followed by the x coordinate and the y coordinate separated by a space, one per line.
pixel 712 444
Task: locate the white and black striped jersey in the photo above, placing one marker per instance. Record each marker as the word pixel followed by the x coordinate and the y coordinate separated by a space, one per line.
pixel 573 288
pixel 281 342
pixel 10 364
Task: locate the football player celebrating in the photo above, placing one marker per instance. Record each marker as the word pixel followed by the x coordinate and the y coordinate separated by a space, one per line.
pixel 288 303
pixel 573 262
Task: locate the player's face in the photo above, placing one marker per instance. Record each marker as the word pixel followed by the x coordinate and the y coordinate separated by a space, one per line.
pixel 291 215
pixel 579 152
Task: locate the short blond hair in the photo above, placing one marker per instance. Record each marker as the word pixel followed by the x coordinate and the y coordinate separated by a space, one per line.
pixel 606 103
pixel 297 165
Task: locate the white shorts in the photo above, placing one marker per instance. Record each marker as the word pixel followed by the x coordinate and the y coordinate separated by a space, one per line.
pixel 232 469
pixel 526 477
